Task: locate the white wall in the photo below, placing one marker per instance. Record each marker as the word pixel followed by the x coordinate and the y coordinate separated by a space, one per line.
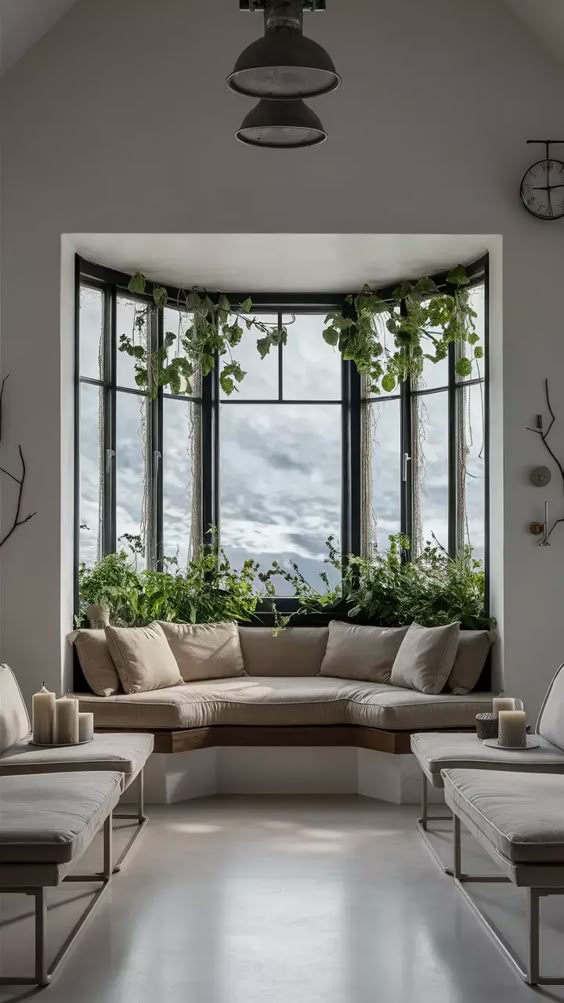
pixel 119 121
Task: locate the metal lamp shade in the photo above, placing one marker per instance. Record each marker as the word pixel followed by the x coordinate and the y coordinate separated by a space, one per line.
pixel 284 65
pixel 281 124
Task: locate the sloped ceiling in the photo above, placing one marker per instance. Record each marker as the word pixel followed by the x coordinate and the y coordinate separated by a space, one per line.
pixel 545 18
pixel 22 24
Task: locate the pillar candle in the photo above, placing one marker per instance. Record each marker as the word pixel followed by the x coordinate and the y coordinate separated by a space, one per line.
pixel 503 703
pixel 66 721
pixel 85 727
pixel 512 728
pixel 43 716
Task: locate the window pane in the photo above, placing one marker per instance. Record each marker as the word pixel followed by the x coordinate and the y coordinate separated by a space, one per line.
pixel 91 473
pixel 132 471
pixel 430 470
pixel 381 495
pixel 261 380
pixel 280 469
pixel 132 319
pixel 312 369
pixel 478 303
pixel 181 509
pixel 471 470
pixel 91 332
pixel 177 322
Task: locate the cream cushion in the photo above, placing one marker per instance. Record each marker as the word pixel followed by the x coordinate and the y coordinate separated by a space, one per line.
pixel 52 818
pixel 519 814
pixel 366 653
pixel 295 651
pixel 551 718
pixel 436 751
pixel 124 752
pixel 96 662
pixel 205 650
pixel 279 701
pixel 142 658
pixel 14 719
pixel 426 657
pixel 472 652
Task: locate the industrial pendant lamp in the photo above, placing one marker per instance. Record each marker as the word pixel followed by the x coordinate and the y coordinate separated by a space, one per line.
pixel 284 64
pixel 281 124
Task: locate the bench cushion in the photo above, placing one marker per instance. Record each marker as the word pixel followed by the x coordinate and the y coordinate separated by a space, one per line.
pixel 124 752
pixel 520 815
pixel 283 701
pixel 296 651
pixel 52 818
pixel 438 751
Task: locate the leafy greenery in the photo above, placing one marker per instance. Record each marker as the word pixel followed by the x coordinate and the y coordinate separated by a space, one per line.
pixel 388 340
pixel 433 589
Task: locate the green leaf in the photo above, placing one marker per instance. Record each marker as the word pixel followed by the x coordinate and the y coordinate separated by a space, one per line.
pixel 331 336
pixel 463 367
pixel 473 338
pixel 137 283
pixel 457 276
pixel 169 339
pixel 160 296
pixel 388 383
pixel 264 345
pixel 478 352
pixel 247 305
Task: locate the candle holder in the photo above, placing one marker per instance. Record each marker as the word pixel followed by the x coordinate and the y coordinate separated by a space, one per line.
pixel 486 726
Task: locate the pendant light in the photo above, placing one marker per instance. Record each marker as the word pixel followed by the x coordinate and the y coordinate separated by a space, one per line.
pixel 281 124
pixel 284 64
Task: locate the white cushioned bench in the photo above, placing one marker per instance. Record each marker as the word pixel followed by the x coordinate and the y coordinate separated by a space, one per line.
pixel 47 822
pixel 518 819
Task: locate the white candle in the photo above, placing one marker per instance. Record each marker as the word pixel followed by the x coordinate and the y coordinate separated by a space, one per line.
pixel 66 721
pixel 513 728
pixel 43 716
pixel 85 727
pixel 503 703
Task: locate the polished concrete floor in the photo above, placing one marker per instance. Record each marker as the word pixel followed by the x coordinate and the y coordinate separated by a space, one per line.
pixel 282 900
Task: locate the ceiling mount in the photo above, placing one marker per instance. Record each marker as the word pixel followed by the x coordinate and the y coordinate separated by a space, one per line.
pixel 256 6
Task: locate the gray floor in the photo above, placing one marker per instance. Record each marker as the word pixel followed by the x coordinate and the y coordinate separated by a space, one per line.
pixel 301 900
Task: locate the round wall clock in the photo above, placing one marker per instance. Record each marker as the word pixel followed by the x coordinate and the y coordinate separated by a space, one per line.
pixel 542 187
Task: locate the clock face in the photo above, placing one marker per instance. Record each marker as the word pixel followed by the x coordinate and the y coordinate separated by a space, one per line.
pixel 542 189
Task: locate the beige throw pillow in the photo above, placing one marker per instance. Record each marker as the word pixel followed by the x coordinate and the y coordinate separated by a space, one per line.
pixel 142 658
pixel 426 657
pixel 96 662
pixel 367 653
pixel 473 649
pixel 205 650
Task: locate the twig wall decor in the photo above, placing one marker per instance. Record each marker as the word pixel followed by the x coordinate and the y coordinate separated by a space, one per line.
pixel 18 520
pixel 544 433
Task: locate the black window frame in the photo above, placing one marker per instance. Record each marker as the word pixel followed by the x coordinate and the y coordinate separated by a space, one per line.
pixel 114 283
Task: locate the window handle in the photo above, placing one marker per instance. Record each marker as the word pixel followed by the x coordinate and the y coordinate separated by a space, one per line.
pixel 406 462
pixel 110 453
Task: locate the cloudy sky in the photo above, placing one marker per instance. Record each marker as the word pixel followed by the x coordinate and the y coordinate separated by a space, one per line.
pixel 280 464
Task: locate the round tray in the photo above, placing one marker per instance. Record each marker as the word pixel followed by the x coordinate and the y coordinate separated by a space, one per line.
pixel 532 743
pixel 58 745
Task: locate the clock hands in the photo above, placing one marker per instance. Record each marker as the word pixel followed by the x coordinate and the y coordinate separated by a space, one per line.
pixel 545 188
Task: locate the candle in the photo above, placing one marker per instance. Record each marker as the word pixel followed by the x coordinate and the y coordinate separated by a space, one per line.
pixel 503 703
pixel 66 721
pixel 43 716
pixel 512 728
pixel 85 727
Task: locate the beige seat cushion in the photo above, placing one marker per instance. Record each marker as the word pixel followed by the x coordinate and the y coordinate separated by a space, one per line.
pixel 356 652
pixel 96 662
pixel 124 752
pixel 473 650
pixel 143 658
pixel 426 657
pixel 520 815
pixel 14 719
pixel 438 751
pixel 266 700
pixel 52 818
pixel 296 651
pixel 205 650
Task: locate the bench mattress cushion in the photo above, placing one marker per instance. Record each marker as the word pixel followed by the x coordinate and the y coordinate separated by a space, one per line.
pixel 438 751
pixel 283 701
pixel 520 815
pixel 124 752
pixel 52 818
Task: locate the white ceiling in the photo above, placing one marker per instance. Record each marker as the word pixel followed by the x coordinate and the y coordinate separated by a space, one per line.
pixel 280 262
pixel 22 24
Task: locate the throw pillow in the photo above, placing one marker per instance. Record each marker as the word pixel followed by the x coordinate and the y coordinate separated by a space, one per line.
pixel 96 662
pixel 473 649
pixel 205 650
pixel 426 657
pixel 142 658
pixel 367 653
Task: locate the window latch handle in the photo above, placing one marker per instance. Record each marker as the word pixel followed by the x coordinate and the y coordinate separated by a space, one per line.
pixel 406 462
pixel 110 453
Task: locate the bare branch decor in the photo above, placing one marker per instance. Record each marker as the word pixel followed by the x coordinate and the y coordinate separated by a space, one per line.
pixel 544 434
pixel 18 520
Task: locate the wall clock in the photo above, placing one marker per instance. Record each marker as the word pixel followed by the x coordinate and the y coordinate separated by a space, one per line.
pixel 542 187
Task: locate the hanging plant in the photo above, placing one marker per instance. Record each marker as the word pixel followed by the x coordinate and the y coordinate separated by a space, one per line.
pixel 413 317
pixel 216 328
